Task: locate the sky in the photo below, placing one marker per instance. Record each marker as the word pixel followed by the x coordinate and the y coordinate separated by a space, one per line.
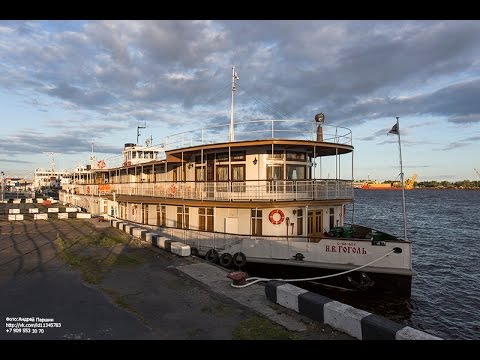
pixel 67 84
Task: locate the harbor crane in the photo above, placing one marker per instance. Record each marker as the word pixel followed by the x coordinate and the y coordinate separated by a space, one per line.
pixel 478 172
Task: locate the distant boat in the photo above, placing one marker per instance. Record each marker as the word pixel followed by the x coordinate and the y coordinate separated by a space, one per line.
pixel 409 185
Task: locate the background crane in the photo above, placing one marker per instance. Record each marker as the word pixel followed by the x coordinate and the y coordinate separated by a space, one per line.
pixel 478 173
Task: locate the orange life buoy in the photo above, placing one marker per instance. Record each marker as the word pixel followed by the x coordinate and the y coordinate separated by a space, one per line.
pixel 88 189
pixel 173 189
pixel 101 164
pixel 275 220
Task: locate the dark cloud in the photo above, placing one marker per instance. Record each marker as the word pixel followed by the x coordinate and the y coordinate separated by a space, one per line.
pixel 177 73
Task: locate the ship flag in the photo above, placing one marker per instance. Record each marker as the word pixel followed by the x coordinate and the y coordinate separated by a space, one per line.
pixel 394 129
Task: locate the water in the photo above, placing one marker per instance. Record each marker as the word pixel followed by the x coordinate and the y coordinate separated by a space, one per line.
pixel 444 227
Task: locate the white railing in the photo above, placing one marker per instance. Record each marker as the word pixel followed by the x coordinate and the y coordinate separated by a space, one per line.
pixel 293 129
pixel 278 190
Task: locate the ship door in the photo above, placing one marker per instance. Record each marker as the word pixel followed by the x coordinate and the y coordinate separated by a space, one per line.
pixel 210 176
pixel 315 224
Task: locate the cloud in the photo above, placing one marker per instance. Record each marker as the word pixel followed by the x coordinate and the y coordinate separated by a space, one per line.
pixel 30 141
pixel 462 143
pixel 14 161
pixel 178 73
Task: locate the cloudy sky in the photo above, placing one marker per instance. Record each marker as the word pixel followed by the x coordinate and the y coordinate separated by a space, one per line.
pixel 64 84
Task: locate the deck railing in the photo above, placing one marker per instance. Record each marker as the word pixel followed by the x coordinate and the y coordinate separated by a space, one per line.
pixel 294 129
pixel 278 190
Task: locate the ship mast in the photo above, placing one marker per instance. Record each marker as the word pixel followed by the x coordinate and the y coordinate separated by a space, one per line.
pixel 234 77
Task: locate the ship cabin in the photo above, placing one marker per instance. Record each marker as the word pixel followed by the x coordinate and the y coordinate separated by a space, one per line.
pixel 291 182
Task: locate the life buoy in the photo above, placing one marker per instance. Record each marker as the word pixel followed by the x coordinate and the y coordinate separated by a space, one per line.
pixel 88 189
pixel 173 189
pixel 226 260
pixel 239 259
pixel 101 164
pixel 275 220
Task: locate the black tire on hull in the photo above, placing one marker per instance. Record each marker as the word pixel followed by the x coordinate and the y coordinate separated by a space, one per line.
pixel 226 260
pixel 194 251
pixel 239 259
pixel 212 256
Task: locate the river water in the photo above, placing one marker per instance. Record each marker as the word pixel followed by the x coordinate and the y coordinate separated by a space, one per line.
pixel 444 227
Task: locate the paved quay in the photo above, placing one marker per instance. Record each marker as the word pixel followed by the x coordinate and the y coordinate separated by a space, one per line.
pixel 91 281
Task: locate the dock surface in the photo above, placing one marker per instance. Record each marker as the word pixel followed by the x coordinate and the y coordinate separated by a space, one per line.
pixel 96 282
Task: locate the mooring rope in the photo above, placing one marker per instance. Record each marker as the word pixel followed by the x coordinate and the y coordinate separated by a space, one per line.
pixel 254 280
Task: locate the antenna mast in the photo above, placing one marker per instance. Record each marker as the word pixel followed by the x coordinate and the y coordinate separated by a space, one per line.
pixel 52 160
pixel 138 130
pixel 234 77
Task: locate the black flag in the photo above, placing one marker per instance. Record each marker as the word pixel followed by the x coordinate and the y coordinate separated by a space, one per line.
pixel 394 129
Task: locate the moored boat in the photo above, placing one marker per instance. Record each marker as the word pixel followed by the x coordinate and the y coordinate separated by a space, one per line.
pixel 251 192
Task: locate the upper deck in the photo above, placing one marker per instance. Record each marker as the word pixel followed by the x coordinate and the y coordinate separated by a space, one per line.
pixel 268 160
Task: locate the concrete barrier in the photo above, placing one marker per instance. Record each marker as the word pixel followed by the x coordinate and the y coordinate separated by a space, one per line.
pixel 15 217
pixel 179 248
pixel 33 210
pixel 151 238
pixel 355 322
pixel 164 243
pixel 40 201
pixel 14 211
pixel 62 215
pixel 40 216
pixel 128 229
pixel 17 201
pixel 52 210
pixel 71 209
pixel 28 201
pixel 84 216
pixel 137 232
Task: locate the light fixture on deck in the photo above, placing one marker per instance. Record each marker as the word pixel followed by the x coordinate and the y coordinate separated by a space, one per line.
pixel 255 161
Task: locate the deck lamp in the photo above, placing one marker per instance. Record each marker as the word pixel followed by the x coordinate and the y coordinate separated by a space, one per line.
pixel 255 161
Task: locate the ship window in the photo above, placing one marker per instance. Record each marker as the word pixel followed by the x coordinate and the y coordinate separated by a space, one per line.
pixel 199 171
pixel 256 222
pixel 222 156
pixel 238 155
pixel 296 156
pixel 205 219
pixel 299 221
pixel 274 172
pixel 134 155
pixel 222 173
pixel 183 218
pixel 238 172
pixel 277 155
pixel 332 218
pixel 161 215
pixel 295 172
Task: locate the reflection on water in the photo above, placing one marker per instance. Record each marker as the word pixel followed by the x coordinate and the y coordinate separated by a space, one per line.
pixel 444 228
